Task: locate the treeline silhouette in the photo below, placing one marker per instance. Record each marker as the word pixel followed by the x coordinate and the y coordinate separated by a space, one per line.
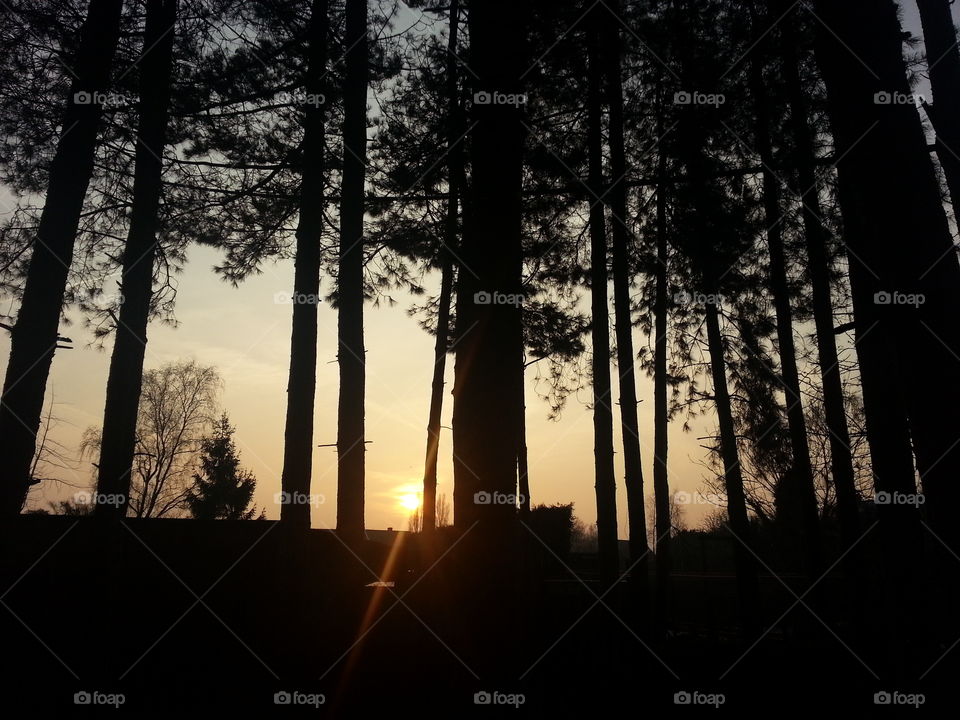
pixel 755 185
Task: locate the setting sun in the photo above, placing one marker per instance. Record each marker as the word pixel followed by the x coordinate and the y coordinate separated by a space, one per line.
pixel 409 501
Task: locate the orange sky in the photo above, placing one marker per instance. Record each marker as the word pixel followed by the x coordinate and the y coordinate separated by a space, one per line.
pixel 246 335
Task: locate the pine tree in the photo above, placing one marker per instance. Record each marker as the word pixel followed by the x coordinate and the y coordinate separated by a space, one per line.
pixel 622 273
pixel 130 344
pixel 454 166
pixel 604 478
pixel 221 490
pixel 818 262
pixel 351 353
pixel 34 336
pixel 302 378
pixel 800 478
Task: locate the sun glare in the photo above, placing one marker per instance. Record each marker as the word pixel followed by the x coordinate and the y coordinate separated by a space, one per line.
pixel 409 501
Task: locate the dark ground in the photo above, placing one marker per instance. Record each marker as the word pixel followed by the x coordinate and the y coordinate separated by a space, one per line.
pixel 181 615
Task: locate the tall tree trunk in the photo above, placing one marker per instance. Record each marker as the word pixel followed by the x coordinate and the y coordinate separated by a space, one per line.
pixel 943 62
pixel 891 458
pixel 454 168
pixel 661 420
pixel 488 378
pixel 818 272
pixel 34 336
pixel 429 503
pixel 605 479
pixel 351 353
pixel 898 242
pixel 523 468
pixel 898 238
pixel 818 266
pixel 126 362
pixel 490 343
pixel 802 515
pixel 746 565
pixel 630 430
pixel 302 378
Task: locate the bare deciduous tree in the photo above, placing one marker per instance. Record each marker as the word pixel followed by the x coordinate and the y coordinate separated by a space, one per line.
pixel 442 515
pixel 51 455
pixel 677 522
pixel 177 407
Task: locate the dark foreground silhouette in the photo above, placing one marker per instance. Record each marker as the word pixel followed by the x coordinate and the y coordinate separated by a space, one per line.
pixel 249 616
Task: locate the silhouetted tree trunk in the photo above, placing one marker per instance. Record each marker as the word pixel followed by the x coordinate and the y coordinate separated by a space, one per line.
pixel 818 273
pixel 436 387
pixel 630 430
pixel 898 240
pixel 943 62
pixel 523 469
pixel 126 363
pixel 802 514
pixel 302 378
pixel 350 415
pixel 490 342
pixel 454 167
pixel 891 453
pixel 661 419
pixel 34 336
pixel 605 479
pixel 488 375
pixel 746 564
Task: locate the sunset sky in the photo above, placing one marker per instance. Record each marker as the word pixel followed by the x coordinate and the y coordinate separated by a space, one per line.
pixel 246 335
